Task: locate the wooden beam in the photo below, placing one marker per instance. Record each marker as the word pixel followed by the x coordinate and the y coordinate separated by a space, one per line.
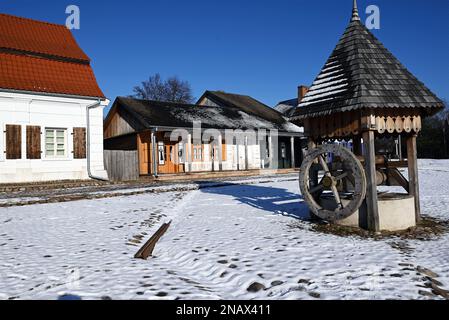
pixel 413 174
pixel 395 175
pixel 147 250
pixel 371 200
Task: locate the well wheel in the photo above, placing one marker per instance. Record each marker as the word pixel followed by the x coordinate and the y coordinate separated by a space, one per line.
pixel 334 173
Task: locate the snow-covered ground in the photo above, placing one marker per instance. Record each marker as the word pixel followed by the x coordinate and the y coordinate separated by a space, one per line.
pixel 222 242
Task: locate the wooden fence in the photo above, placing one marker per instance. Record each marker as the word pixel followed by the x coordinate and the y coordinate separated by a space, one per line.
pixel 121 165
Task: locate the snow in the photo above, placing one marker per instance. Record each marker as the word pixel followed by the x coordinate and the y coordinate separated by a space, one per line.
pixel 326 75
pixel 222 240
pixel 329 90
pixel 284 108
pixel 329 84
pixel 303 104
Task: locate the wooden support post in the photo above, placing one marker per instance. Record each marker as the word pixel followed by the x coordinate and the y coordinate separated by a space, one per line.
pixel 270 152
pixel 212 155
pixel 372 208
pixel 188 153
pixel 220 152
pixel 273 145
pixel 413 174
pixel 237 147
pixel 400 148
pixel 246 154
pixel 292 145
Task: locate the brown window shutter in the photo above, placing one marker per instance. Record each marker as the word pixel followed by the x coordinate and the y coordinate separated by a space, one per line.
pixel 79 143
pixel 13 142
pixel 33 142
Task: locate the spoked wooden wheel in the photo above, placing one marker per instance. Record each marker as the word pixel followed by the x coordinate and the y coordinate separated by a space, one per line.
pixel 332 174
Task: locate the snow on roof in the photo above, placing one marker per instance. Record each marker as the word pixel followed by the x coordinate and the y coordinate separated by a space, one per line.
pixel 164 114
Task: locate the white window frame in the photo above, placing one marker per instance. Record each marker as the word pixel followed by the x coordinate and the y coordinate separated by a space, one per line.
pixel 181 155
pixel 161 153
pixel 55 144
pixel 198 153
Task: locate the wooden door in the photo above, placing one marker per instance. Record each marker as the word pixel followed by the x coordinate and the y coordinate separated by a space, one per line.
pixel 144 149
pixel 168 163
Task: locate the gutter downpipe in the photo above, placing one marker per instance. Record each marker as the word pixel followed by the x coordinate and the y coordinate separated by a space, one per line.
pixel 89 172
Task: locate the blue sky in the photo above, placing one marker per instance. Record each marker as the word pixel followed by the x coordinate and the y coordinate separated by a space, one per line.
pixel 260 48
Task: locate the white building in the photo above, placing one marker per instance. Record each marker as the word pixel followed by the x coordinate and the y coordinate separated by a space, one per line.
pixel 46 89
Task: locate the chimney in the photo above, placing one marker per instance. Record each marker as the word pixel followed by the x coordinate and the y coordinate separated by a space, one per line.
pixel 302 90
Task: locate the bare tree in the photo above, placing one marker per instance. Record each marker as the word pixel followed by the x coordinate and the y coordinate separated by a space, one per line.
pixel 171 90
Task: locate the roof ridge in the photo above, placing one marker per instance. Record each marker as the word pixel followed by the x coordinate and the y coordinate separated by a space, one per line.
pixel 241 95
pixel 33 20
pixel 49 39
pixel 231 93
pixel 166 103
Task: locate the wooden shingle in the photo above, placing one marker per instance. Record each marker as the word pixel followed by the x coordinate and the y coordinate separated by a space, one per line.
pixel 362 73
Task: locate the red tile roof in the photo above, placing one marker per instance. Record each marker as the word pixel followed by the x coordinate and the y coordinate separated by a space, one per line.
pixel 38 37
pixel 43 57
pixel 27 73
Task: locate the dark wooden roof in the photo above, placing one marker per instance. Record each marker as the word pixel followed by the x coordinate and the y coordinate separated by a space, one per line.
pixel 146 114
pixel 246 104
pixel 361 73
pixel 287 107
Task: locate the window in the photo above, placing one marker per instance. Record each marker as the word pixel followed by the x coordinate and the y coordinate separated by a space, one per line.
pixel 283 150
pixel 197 153
pixel 161 152
pixel 55 143
pixel 181 153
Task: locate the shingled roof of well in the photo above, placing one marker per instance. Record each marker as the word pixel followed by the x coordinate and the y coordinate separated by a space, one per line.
pixel 362 73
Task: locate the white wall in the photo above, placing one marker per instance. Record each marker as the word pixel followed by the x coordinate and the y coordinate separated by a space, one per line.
pixel 231 159
pixel 50 112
